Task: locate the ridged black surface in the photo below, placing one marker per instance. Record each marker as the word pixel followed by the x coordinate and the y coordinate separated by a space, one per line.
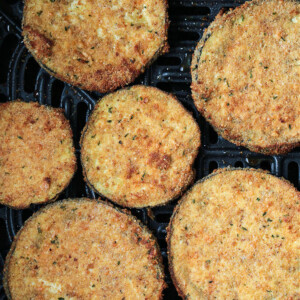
pixel 21 77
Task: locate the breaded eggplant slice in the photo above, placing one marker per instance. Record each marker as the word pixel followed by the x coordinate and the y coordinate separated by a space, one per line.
pixel 246 75
pixel 97 45
pixel 138 147
pixel 83 249
pixel 235 235
pixel 37 157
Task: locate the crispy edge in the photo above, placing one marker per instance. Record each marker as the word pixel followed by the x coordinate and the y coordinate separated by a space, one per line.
pixel 176 210
pixel 82 154
pixel 272 149
pixel 156 258
pixel 59 113
pixel 110 79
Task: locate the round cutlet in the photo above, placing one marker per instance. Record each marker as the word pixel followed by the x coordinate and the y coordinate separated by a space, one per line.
pixel 83 249
pixel 97 45
pixel 139 146
pixel 37 157
pixel 246 75
pixel 235 235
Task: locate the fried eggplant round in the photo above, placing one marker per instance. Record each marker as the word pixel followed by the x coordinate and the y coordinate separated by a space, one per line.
pixel 37 157
pixel 138 147
pixel 235 235
pixel 95 44
pixel 83 249
pixel 246 75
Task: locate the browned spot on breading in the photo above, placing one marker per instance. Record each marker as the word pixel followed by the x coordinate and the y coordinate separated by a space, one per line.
pixel 48 180
pixel 159 160
pixel 38 41
pixel 131 170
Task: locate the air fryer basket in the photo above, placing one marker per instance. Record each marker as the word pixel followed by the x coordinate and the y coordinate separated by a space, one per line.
pixel 21 77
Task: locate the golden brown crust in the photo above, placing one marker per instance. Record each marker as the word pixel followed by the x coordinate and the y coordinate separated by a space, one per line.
pixel 96 47
pixel 237 185
pixel 138 147
pixel 245 76
pixel 37 156
pixel 97 251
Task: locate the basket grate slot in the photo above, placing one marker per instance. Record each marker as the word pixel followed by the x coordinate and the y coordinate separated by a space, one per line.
pixel 140 214
pixel 213 136
pixel 2 297
pixel 177 37
pixel 163 244
pixel 26 213
pixel 265 165
pixel 14 221
pixel 163 218
pixel 213 165
pixel 77 185
pixel 3 98
pixel 30 75
pixel 192 10
pixel 171 292
pixel 12 15
pixel 239 164
pixel 3 32
pixel 12 1
pixel 82 116
pixel 172 87
pixel 8 45
pixel 4 237
pixel 168 61
pixel 56 92
pixel 293 173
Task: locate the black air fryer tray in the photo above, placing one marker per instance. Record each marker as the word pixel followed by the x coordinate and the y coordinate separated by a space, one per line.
pixel 21 77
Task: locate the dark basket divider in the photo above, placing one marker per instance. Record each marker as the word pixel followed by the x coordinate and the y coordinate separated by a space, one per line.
pixel 21 77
